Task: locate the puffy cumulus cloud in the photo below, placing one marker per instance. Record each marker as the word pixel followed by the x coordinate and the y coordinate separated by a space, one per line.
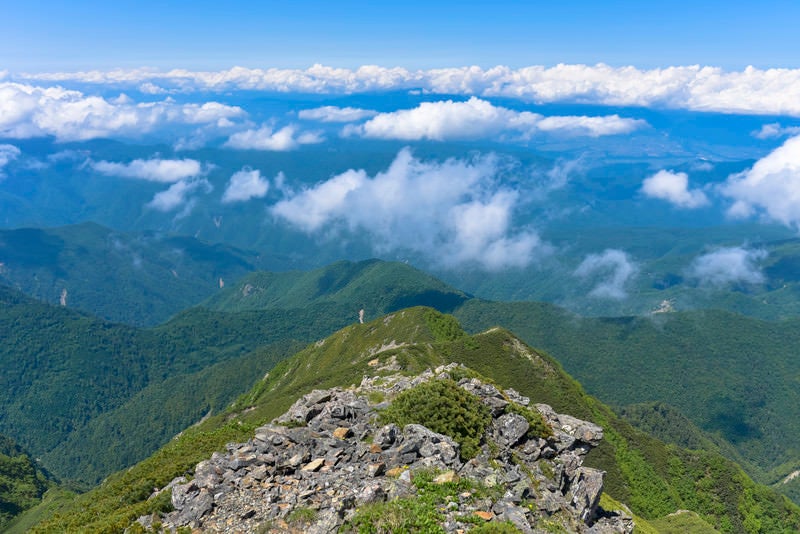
pixel 477 118
pixel 771 186
pixel 266 138
pixel 674 188
pixel 179 195
pixel 750 91
pixel 154 170
pixel 244 185
pixel 726 266
pixel 8 153
pixel 30 111
pixel 609 271
pixel 454 212
pixel 336 114
pixel 775 130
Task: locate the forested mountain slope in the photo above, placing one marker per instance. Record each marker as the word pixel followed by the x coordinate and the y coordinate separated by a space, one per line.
pixel 653 478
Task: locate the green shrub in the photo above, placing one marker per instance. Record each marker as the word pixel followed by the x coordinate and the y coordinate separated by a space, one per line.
pixel 538 426
pixel 444 407
pixel 302 516
pixel 443 327
pixel 400 516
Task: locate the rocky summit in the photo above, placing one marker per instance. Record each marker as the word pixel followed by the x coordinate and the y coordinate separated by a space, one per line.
pixel 331 464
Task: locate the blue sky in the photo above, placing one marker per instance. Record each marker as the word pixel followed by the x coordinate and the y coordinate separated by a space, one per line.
pixel 49 35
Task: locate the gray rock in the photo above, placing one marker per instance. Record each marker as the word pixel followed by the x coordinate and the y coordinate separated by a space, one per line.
pixel 510 428
pixel 585 490
pixel 266 478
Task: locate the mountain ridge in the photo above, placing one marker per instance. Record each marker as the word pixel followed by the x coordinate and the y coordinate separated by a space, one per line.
pixel 653 479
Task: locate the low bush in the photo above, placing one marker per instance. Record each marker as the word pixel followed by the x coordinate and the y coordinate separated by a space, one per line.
pixel 444 407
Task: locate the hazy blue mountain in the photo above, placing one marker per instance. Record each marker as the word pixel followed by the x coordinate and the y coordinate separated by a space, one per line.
pixel 136 278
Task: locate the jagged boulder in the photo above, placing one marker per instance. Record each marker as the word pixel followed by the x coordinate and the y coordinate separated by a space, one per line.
pixel 312 469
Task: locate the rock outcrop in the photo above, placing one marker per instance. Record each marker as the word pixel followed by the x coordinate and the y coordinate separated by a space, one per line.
pixel 313 468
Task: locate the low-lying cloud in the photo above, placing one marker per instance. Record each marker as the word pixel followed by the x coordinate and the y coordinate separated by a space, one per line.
pixel 336 114
pixel 771 187
pixel 28 111
pixel 266 138
pixel 179 195
pixel 775 130
pixel 154 170
pixel 609 271
pixel 674 188
pixel 245 185
pixel 453 212
pixel 699 88
pixel 480 119
pixel 734 265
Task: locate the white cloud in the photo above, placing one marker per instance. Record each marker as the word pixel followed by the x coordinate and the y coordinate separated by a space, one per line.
pixel 8 153
pixel 150 88
pixel 771 186
pixel 69 155
pixel 775 130
pixel 154 170
pixel 674 188
pixel 454 212
pixel 336 114
pixel 178 194
pixel 751 91
pixel 29 111
pixel 728 266
pixel 244 185
pixel 265 138
pixel 589 126
pixel 613 268
pixel 477 118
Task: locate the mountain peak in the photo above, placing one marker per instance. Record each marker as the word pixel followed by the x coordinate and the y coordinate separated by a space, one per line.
pixel 390 455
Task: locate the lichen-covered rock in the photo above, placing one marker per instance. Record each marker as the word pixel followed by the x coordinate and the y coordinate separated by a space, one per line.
pixel 312 468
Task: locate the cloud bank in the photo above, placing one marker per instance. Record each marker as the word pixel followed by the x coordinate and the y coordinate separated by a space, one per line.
pixel 29 111
pixel 265 138
pixel 154 170
pixel 477 118
pixel 728 266
pixel 609 271
pixel 699 88
pixel 245 185
pixel 771 187
pixel 674 188
pixel 453 212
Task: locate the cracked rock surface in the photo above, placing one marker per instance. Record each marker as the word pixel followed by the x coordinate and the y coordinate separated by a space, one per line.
pixel 328 455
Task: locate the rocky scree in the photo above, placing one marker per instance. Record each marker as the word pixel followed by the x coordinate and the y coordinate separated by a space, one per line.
pixel 313 468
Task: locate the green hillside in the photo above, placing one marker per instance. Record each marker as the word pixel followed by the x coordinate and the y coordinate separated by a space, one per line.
pixel 139 279
pixel 733 376
pixel 22 482
pixel 99 388
pixel 117 378
pixel 375 286
pixel 653 478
